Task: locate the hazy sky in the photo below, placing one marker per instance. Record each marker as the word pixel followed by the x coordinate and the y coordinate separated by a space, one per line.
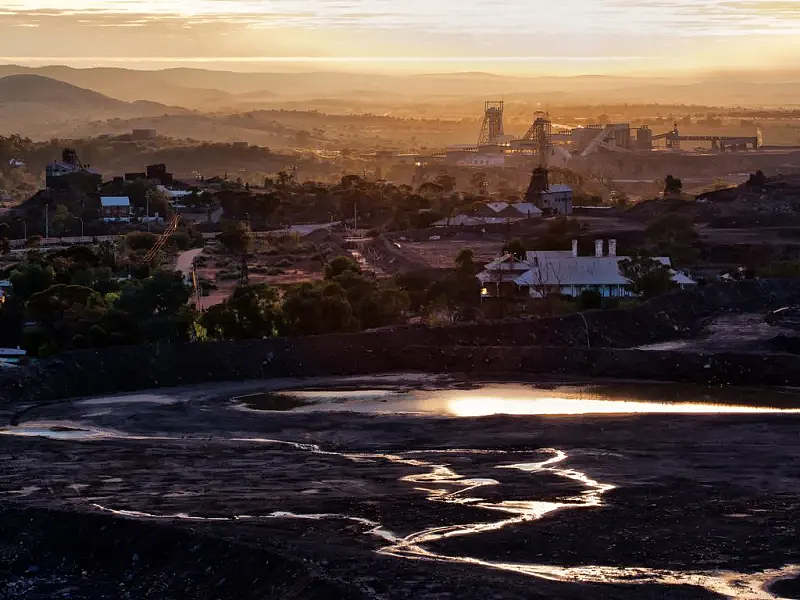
pixel 511 36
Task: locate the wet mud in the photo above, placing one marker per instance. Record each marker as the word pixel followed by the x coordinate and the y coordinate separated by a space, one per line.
pixel 395 506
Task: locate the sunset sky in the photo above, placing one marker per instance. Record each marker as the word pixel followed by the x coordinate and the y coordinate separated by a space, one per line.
pixel 508 36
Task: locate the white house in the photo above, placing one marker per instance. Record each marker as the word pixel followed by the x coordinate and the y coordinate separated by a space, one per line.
pixel 564 273
pixel 115 209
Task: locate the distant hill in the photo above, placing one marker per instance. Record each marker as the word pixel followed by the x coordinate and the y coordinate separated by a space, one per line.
pixel 38 89
pixel 208 90
pixel 37 106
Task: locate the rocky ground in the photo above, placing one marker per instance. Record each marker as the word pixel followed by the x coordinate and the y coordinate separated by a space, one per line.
pixel 184 494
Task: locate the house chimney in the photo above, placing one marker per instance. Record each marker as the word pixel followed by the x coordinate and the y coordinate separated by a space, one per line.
pixel 612 248
pixel 598 248
pixel 575 248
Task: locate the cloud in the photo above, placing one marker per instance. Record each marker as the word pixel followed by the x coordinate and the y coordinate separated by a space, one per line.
pixel 567 32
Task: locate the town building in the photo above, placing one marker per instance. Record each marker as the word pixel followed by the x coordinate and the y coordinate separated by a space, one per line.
pixel 557 199
pixel 565 273
pixel 493 213
pixel 70 173
pixel 143 134
pixel 553 199
pixel 115 209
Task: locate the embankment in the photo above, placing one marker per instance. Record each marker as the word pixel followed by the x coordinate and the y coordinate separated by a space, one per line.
pixel 595 344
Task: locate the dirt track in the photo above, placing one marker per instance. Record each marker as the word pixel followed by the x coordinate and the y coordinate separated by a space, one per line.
pixel 694 496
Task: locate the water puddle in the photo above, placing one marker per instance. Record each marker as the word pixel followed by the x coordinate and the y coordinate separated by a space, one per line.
pixel 297 399
pixel 71 431
pixel 129 399
pixel 58 430
pixel 515 399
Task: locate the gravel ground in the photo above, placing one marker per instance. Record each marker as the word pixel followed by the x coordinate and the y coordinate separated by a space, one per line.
pixel 186 495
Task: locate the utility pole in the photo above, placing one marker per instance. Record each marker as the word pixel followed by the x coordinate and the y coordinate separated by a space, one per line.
pixel 46 220
pixel 355 216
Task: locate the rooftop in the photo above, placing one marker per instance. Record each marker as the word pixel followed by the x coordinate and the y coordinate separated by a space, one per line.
pixel 108 201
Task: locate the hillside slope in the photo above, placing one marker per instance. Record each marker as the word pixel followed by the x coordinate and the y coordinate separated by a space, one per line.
pixel 35 105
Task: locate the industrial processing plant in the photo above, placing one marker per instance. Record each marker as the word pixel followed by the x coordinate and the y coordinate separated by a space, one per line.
pixel 558 145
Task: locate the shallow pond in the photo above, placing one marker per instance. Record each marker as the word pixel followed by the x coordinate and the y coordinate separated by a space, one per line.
pixel 520 399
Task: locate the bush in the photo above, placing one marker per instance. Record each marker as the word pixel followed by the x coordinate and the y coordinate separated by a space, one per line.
pixel 140 240
pixel 284 262
pixel 228 275
pixel 180 240
pixel 590 300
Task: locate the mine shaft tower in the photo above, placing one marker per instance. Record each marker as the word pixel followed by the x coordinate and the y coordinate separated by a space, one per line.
pixel 540 133
pixel 492 125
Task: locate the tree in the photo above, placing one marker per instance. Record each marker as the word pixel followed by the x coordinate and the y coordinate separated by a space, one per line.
pixel 61 313
pixel 61 217
pixel 140 240
pixel 516 248
pixel 480 182
pixel 648 277
pixel 339 265
pixel 757 179
pixel 672 186
pixel 252 311
pixel 236 238
pixel 31 279
pixel 415 284
pixel 310 309
pixel 154 308
pixel 429 188
pixel 590 300
pixel 446 181
pixel 465 263
pixel 673 235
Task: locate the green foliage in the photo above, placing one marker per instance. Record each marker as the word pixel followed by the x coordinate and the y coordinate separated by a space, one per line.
pixel 236 238
pixel 590 300
pixel 465 263
pixel 181 240
pixel 516 248
pixel 415 284
pixel 672 186
pixel 560 233
pixel 649 278
pixel 446 181
pixel 140 240
pixel 317 308
pixel 340 265
pixel 252 311
pixel 60 220
pixel 62 312
pixel 30 279
pixel 757 179
pixel 673 235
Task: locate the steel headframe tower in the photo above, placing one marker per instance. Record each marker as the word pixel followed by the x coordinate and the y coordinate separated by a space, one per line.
pixel 541 132
pixel 492 125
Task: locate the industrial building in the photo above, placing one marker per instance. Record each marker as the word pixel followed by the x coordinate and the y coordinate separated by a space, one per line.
pixel 560 145
pixel 69 172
